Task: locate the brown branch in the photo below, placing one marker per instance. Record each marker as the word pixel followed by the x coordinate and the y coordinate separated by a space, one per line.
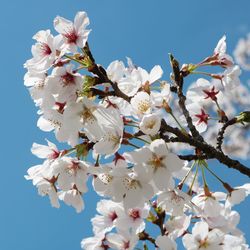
pixel 196 140
pixel 193 157
pixel 207 149
pixel 178 80
pixel 101 94
pixel 102 74
pixel 221 133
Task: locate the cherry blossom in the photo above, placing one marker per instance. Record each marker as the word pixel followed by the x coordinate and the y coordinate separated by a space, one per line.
pixel 199 116
pixel 150 124
pixel 72 198
pixel 73 34
pixel 94 243
pixel 230 77
pixel 173 201
pixel 202 238
pixel 44 52
pixel 220 51
pixel 141 103
pixel 122 241
pixel 133 218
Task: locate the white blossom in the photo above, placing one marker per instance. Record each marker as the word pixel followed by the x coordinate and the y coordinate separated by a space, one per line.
pixel 73 34
pixel 72 198
pixel 202 238
pixel 150 124
pixel 44 52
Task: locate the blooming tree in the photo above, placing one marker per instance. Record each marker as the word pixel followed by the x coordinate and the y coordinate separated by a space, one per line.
pixel 145 143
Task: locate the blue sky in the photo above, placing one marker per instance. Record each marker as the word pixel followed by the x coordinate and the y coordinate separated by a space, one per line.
pixel 144 30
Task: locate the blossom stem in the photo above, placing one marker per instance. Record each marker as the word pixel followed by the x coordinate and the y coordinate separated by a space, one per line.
pixel 74 59
pixel 201 73
pixel 178 123
pixel 216 176
pixel 192 184
pixel 204 177
pixel 133 145
pixel 68 151
pixel 180 185
pixel 138 138
pixel 131 125
pixel 217 104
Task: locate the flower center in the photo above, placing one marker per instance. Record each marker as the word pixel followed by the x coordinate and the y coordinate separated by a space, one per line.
pixel 134 214
pixel 71 36
pixel 126 244
pixel 60 106
pixel 156 162
pixel 143 106
pixel 113 216
pixel 68 79
pixel 55 154
pixel 87 114
pixel 150 124
pixel 203 243
pixel 105 178
pixel 45 49
pixel 131 183
pixel 211 93
pixel 203 117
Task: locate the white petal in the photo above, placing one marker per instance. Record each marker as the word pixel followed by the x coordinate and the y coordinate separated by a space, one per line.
pixel 155 74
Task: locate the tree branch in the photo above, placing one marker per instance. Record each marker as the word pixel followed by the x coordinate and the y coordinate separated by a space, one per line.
pixel 207 149
pixel 102 74
pixel 221 133
pixel 178 80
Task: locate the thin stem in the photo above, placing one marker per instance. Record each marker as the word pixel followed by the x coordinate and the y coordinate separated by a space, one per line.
pixel 74 59
pixel 192 184
pixel 81 67
pixel 138 138
pixel 171 113
pixel 203 176
pixel 213 118
pixel 68 151
pixel 131 125
pixel 216 176
pixel 217 104
pixel 201 73
pixel 133 145
pixel 186 176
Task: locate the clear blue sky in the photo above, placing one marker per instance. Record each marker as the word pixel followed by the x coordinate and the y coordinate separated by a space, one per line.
pixel 144 30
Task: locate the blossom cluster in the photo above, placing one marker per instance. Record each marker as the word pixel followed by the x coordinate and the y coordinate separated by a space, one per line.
pixel 112 120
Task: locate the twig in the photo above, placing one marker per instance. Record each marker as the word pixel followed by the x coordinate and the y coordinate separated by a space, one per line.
pixel 178 80
pixel 193 157
pixel 207 149
pixel 221 133
pixel 102 74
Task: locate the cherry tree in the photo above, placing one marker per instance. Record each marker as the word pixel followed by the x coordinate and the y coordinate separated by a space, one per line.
pixel 145 143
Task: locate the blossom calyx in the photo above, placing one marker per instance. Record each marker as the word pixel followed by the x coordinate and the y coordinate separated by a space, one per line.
pixel 243 117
